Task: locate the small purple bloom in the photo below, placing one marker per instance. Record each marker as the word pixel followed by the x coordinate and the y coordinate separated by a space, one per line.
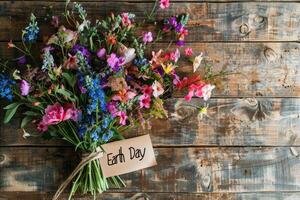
pixel 179 27
pixel 85 52
pixel 22 60
pixel 114 62
pixel 101 53
pixel 24 87
pixel 180 43
pixel 173 21
pixel 147 37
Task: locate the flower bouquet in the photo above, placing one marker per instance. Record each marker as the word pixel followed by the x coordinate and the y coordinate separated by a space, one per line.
pixel 92 81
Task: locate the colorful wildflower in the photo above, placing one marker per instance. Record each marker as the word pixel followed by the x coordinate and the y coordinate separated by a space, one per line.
pixel 24 87
pixel 30 33
pixel 147 37
pixel 6 85
pixel 164 4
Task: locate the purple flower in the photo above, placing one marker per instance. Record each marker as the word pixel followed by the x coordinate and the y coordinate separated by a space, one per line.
pixel 179 27
pixel 22 60
pixel 114 62
pixel 84 51
pixel 24 87
pixel 147 37
pixel 101 53
pixel 173 21
pixel 180 43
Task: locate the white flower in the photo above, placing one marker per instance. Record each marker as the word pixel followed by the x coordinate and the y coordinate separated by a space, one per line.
pixel 197 61
pixel 206 91
pixel 157 89
pixel 129 55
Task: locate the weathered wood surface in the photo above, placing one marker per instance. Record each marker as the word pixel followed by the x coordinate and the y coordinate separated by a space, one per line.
pixel 244 148
pixel 156 195
pixel 229 122
pixel 188 170
pixel 235 21
pixel 260 69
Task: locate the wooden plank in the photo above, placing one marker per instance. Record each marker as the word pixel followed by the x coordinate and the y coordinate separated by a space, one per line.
pixel 191 170
pixel 261 69
pixel 159 196
pixel 42 169
pixel 229 122
pixel 234 21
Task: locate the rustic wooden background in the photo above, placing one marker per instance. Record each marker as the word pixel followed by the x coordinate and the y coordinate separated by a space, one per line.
pixel 246 148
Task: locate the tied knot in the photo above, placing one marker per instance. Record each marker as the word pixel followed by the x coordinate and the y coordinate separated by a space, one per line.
pixel 85 159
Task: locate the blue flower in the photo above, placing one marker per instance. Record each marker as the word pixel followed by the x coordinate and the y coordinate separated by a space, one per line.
pixel 140 62
pixel 5 87
pixel 107 136
pixel 30 33
pixel 96 95
pixel 82 130
pixel 95 134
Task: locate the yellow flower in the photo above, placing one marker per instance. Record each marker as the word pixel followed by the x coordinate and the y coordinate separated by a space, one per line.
pixel 168 68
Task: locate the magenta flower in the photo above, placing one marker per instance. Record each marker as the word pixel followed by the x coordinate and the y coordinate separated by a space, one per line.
pixel 53 114
pixel 112 108
pixel 194 90
pixel 145 101
pixel 42 127
pixel 70 112
pixel 101 53
pixel 147 37
pixel 123 117
pixel 188 52
pixel 147 90
pixel 164 4
pixel 114 62
pixel 24 87
pixel 175 55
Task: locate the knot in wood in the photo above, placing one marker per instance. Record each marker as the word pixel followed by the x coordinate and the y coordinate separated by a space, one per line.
pixel 259 19
pixel 244 29
pixel 2 158
pixel 270 54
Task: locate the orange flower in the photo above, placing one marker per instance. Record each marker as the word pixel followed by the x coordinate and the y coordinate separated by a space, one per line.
pixel 111 39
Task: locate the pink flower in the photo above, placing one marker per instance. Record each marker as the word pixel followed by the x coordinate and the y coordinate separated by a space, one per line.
pixel 71 62
pixel 147 90
pixel 147 37
pixel 70 112
pixel 123 117
pixel 164 4
pixel 175 55
pixel 188 52
pixel 101 53
pixel 53 114
pixel 24 87
pixel 124 95
pixel 157 89
pixel 42 127
pixel 145 101
pixel 194 90
pixel 112 108
pixel 126 19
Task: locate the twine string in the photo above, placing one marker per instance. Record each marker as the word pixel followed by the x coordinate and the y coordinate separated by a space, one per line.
pixel 86 158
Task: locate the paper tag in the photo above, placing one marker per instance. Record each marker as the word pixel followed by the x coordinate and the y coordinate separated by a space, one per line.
pixel 126 156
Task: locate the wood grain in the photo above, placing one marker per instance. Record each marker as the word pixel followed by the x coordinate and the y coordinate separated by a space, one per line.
pixel 259 69
pixel 235 21
pixel 229 122
pixel 192 170
pixel 156 196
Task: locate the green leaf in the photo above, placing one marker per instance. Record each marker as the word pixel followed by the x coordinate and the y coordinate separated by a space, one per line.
pixel 71 79
pixel 10 106
pixel 25 121
pixel 10 113
pixel 31 113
